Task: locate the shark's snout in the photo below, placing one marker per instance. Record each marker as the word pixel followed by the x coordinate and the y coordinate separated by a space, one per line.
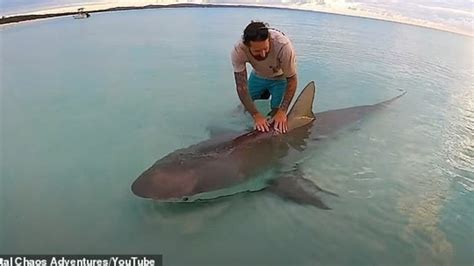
pixel 140 188
pixel 164 185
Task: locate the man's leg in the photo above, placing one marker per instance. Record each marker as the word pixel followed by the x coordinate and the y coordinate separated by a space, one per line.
pixel 258 87
pixel 277 90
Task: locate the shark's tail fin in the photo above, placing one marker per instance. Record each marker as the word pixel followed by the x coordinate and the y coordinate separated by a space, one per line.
pixel 387 102
pixel 301 112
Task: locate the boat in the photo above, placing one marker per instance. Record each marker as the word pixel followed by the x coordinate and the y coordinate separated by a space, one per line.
pixel 81 14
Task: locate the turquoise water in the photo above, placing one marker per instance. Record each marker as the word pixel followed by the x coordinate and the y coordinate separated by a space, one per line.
pixel 87 105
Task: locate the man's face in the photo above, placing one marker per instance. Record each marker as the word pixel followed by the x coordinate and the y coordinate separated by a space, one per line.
pixel 260 49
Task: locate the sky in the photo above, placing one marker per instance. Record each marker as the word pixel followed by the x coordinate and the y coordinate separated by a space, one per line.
pixel 453 13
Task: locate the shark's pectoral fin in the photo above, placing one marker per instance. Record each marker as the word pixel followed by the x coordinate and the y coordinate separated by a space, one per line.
pixel 294 187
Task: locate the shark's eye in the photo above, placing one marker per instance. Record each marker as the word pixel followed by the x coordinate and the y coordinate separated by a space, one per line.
pixel 185 199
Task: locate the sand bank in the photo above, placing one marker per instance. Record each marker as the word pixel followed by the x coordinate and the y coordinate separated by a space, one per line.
pixel 145 4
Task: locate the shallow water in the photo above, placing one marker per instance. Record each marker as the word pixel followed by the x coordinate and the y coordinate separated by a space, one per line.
pixel 87 105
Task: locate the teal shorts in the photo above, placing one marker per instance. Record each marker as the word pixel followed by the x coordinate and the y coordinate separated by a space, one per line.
pixel 259 86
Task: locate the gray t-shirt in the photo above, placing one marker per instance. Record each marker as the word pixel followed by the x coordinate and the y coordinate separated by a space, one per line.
pixel 280 62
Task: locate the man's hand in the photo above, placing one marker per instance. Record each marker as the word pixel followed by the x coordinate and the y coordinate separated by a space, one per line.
pixel 261 123
pixel 280 121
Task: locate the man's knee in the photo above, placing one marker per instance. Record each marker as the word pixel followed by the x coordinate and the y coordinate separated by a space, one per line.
pixel 257 94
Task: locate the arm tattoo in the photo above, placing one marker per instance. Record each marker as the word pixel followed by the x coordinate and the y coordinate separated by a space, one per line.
pixel 290 92
pixel 242 91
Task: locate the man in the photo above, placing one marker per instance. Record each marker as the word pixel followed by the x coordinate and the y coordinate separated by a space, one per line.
pixel 272 57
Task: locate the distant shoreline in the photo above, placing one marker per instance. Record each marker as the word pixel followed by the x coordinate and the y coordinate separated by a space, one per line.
pixel 31 16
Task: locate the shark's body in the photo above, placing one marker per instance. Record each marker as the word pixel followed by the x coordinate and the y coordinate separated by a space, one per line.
pixel 231 163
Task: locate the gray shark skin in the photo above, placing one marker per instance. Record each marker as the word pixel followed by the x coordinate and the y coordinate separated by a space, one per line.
pixel 233 163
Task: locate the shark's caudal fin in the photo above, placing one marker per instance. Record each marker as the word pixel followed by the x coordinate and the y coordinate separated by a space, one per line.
pixel 389 101
pixel 301 112
pixel 403 92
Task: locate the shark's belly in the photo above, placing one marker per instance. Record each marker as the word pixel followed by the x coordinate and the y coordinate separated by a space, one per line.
pixel 256 183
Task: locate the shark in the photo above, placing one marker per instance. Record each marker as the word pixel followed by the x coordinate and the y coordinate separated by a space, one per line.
pixel 234 162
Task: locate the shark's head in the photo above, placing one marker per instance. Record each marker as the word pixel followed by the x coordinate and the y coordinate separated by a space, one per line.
pixel 165 183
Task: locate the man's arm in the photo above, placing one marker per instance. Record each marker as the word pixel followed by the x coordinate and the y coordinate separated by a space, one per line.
pixel 243 92
pixel 261 123
pixel 292 82
pixel 280 119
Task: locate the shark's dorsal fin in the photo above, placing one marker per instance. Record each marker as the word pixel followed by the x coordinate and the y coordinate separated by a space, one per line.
pixel 301 112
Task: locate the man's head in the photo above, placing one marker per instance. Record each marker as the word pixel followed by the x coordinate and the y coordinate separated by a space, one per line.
pixel 256 38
